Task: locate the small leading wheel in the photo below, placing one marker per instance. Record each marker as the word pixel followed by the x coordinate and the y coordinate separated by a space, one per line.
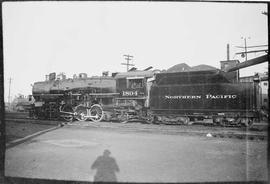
pixel 96 113
pixel 81 113
pixel 66 116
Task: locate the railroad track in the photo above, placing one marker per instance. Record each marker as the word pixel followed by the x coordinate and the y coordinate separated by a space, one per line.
pixel 214 132
pixel 218 132
pixel 16 115
pixel 22 117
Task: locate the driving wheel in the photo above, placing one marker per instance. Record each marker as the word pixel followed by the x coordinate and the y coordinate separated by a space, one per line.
pixel 81 113
pixel 96 113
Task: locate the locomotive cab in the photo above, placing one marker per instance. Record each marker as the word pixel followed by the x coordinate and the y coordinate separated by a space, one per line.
pixel 133 89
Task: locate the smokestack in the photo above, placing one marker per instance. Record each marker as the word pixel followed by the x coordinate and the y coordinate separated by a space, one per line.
pixel 228 52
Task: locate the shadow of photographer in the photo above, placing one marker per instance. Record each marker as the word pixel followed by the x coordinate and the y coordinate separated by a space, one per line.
pixel 106 167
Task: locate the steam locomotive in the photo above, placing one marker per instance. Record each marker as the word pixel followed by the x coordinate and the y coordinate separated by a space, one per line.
pixel 148 95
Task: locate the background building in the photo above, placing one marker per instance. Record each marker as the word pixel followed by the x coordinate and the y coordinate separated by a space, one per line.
pixel 263 83
pixel 232 76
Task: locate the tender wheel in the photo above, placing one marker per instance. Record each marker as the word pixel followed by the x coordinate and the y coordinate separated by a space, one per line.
pixel 124 118
pixel 150 119
pixel 223 123
pixel 96 113
pixel 81 113
pixel 66 108
pixel 186 120
pixel 35 116
pixel 247 122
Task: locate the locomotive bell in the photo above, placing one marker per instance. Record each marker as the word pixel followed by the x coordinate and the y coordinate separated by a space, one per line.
pixel 242 55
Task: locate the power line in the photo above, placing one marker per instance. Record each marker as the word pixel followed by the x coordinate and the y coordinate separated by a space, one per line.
pixel 252 51
pixel 252 46
pixel 128 58
pixel 244 54
pixel 245 39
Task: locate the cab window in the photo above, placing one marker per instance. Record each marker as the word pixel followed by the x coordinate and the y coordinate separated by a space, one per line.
pixel 135 83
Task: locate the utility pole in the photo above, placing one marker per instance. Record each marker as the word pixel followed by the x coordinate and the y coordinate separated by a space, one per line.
pixel 245 40
pixel 128 58
pixel 9 93
pixel 246 48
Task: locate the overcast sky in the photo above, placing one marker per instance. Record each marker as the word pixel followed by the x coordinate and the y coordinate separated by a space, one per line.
pixel 91 37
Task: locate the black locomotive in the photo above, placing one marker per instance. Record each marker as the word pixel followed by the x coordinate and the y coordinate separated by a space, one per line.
pixel 151 96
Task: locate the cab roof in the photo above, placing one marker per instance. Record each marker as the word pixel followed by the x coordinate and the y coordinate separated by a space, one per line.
pixel 136 73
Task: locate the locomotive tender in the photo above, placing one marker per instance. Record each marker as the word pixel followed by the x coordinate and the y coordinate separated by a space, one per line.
pixel 175 98
pixel 191 96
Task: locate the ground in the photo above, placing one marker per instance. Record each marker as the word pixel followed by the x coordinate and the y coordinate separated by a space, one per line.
pixel 143 153
pixel 16 130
